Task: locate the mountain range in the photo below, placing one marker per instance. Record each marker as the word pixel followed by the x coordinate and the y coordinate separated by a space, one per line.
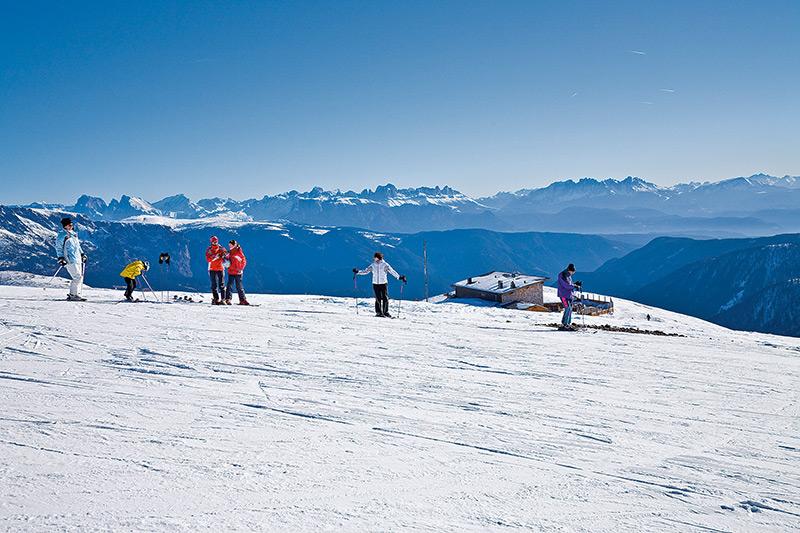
pixel 749 284
pixel 743 206
pixel 309 242
pixel 291 258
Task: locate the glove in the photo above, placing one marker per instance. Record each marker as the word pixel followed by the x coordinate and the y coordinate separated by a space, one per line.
pixel 403 279
pixel 62 261
pixel 355 271
pixel 84 258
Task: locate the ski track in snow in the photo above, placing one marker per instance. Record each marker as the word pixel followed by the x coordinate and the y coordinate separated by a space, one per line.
pixel 301 415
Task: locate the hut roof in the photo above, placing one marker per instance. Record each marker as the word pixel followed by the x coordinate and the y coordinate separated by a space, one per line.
pixel 499 282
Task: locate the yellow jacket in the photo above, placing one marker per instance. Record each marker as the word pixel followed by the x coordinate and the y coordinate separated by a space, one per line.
pixel 132 270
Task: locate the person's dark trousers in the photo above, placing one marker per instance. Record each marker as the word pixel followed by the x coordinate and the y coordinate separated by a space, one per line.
pixel 235 278
pixel 381 298
pixel 217 284
pixel 131 286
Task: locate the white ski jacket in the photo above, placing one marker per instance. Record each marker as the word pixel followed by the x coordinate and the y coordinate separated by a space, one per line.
pixel 379 270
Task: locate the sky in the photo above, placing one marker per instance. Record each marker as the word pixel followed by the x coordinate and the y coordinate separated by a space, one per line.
pixel 243 99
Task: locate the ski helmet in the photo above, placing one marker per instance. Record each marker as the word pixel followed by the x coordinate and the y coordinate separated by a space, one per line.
pixel 146 265
pixel 66 221
pixel 214 239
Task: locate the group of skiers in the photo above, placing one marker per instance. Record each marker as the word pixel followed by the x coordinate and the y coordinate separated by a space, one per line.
pixel 219 259
pixel 71 257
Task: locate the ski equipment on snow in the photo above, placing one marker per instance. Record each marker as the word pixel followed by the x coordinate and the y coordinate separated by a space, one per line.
pixel 355 287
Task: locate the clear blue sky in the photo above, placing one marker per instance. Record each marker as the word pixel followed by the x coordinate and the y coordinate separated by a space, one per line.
pixel 242 99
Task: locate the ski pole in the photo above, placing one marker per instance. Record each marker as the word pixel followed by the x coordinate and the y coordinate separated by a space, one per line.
pixel 151 288
pixel 144 296
pixel 583 308
pixel 83 271
pixel 355 291
pixel 54 275
pixel 400 301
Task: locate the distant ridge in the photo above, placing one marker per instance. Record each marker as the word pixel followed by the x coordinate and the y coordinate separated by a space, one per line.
pixel 755 205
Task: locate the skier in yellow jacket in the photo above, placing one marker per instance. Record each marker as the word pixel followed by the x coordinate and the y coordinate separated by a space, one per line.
pixel 130 274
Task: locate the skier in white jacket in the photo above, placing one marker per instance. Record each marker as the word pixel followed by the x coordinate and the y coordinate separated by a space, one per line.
pixel 380 281
pixel 71 256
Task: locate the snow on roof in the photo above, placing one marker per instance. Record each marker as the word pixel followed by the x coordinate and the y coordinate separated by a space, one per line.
pixel 499 282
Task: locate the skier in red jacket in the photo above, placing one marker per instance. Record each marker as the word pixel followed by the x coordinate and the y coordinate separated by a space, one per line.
pixel 237 263
pixel 215 255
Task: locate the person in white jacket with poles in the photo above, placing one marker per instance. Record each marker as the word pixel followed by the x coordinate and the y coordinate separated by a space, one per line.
pixel 380 282
pixel 71 256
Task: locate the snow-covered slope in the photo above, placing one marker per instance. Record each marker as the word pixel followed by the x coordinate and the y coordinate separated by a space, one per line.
pixel 301 415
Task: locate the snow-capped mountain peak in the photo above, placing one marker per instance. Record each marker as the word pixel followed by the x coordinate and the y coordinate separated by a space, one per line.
pixel 390 208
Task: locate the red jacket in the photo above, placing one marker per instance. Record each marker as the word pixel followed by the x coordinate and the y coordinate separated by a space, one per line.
pixel 238 261
pixel 215 254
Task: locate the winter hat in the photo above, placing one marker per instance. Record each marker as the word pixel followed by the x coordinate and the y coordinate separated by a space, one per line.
pixel 66 221
pixel 571 267
pixel 214 240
